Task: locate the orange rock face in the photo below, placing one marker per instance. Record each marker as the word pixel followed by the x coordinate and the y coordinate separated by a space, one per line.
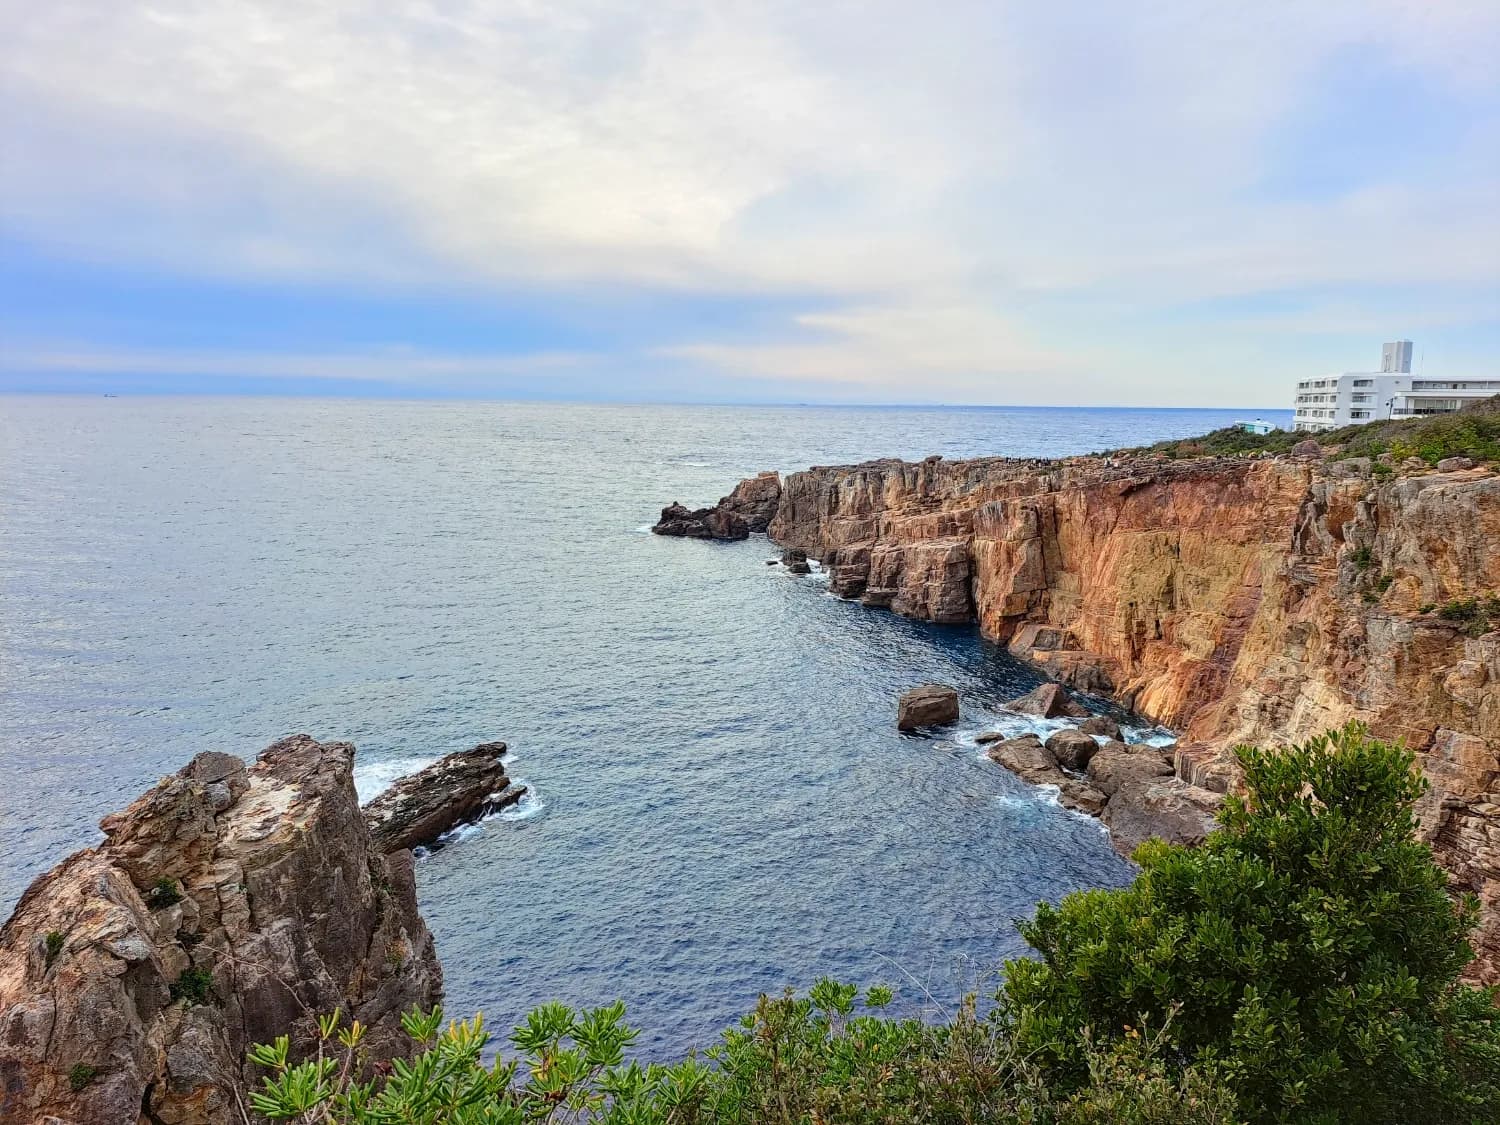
pixel 1233 599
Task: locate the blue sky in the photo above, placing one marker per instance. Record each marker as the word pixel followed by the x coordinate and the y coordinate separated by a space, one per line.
pixel 1186 204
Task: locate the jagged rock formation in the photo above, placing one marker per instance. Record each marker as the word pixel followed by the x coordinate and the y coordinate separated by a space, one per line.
pixel 754 500
pixel 1234 599
pixel 458 789
pixel 749 507
pixel 226 906
pixel 700 523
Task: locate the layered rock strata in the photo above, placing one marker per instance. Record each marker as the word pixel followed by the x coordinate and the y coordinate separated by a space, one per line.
pixel 1234 599
pixel 226 906
pixel 458 789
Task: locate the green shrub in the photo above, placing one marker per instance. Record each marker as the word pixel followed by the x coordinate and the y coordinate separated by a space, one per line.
pixel 80 1076
pixel 165 893
pixel 194 986
pixel 822 1058
pixel 1311 944
pixel 55 939
pixel 1477 615
pixel 1362 557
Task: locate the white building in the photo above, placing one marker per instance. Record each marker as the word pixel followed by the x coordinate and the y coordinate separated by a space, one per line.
pixel 1392 392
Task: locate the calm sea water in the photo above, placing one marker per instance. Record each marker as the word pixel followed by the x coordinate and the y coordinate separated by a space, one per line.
pixel 722 805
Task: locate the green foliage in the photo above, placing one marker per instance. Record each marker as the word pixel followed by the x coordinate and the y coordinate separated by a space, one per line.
pixel 1310 949
pixel 80 1076
pixel 820 1058
pixel 1361 557
pixel 55 939
pixel 1477 615
pixel 1474 432
pixel 194 986
pixel 165 893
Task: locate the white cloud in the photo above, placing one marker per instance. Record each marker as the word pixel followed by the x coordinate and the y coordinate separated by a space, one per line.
pixel 929 170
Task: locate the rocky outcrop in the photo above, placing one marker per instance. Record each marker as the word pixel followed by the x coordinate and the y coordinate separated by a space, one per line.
pixel 749 507
pixel 795 561
pixel 702 523
pixel 1031 761
pixel 754 500
pixel 458 789
pixel 224 907
pixel 1244 599
pixel 931 705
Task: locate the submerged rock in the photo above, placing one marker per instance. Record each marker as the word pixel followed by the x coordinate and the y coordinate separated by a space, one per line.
pixel 702 523
pixel 1049 701
pixel 225 907
pixel 931 705
pixel 458 789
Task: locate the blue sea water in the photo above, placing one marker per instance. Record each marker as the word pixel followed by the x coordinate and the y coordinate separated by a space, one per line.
pixel 722 805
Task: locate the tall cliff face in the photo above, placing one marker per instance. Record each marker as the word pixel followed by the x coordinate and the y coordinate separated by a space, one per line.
pixel 1232 599
pixel 226 906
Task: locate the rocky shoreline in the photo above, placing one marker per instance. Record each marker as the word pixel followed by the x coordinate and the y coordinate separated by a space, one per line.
pixel 1234 599
pixel 226 906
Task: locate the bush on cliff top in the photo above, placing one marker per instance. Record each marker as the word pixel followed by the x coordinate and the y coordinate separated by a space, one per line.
pixel 1472 432
pixel 1301 966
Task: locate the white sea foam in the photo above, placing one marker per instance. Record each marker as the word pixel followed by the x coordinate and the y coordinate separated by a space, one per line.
pixel 530 805
pixel 373 778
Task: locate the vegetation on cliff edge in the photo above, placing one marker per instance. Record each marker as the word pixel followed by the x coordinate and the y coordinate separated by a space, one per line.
pixel 1472 432
pixel 1301 966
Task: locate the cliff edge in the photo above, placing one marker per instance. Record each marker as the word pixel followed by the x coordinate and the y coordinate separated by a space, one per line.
pixel 1235 599
pixel 225 906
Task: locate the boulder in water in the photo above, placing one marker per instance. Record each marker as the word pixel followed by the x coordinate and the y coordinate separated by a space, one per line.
pixel 931 705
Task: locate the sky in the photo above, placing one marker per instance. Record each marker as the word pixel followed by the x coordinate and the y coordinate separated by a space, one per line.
pixel 1181 203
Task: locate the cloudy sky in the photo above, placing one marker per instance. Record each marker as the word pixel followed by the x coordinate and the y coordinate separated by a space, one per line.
pixel 1175 203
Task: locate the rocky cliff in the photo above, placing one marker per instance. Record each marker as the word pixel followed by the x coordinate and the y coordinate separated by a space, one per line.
pixel 1233 599
pixel 226 906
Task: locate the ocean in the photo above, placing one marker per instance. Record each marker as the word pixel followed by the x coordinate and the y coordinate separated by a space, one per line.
pixel 721 805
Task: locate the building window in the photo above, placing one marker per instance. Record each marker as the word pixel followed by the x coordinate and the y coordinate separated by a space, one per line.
pixel 1364 382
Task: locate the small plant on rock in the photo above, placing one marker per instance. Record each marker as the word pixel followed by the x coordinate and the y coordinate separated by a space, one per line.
pixel 54 945
pixel 194 986
pixel 165 893
pixel 80 1076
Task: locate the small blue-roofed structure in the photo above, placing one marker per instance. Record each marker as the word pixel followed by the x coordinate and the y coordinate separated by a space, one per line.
pixel 1255 427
